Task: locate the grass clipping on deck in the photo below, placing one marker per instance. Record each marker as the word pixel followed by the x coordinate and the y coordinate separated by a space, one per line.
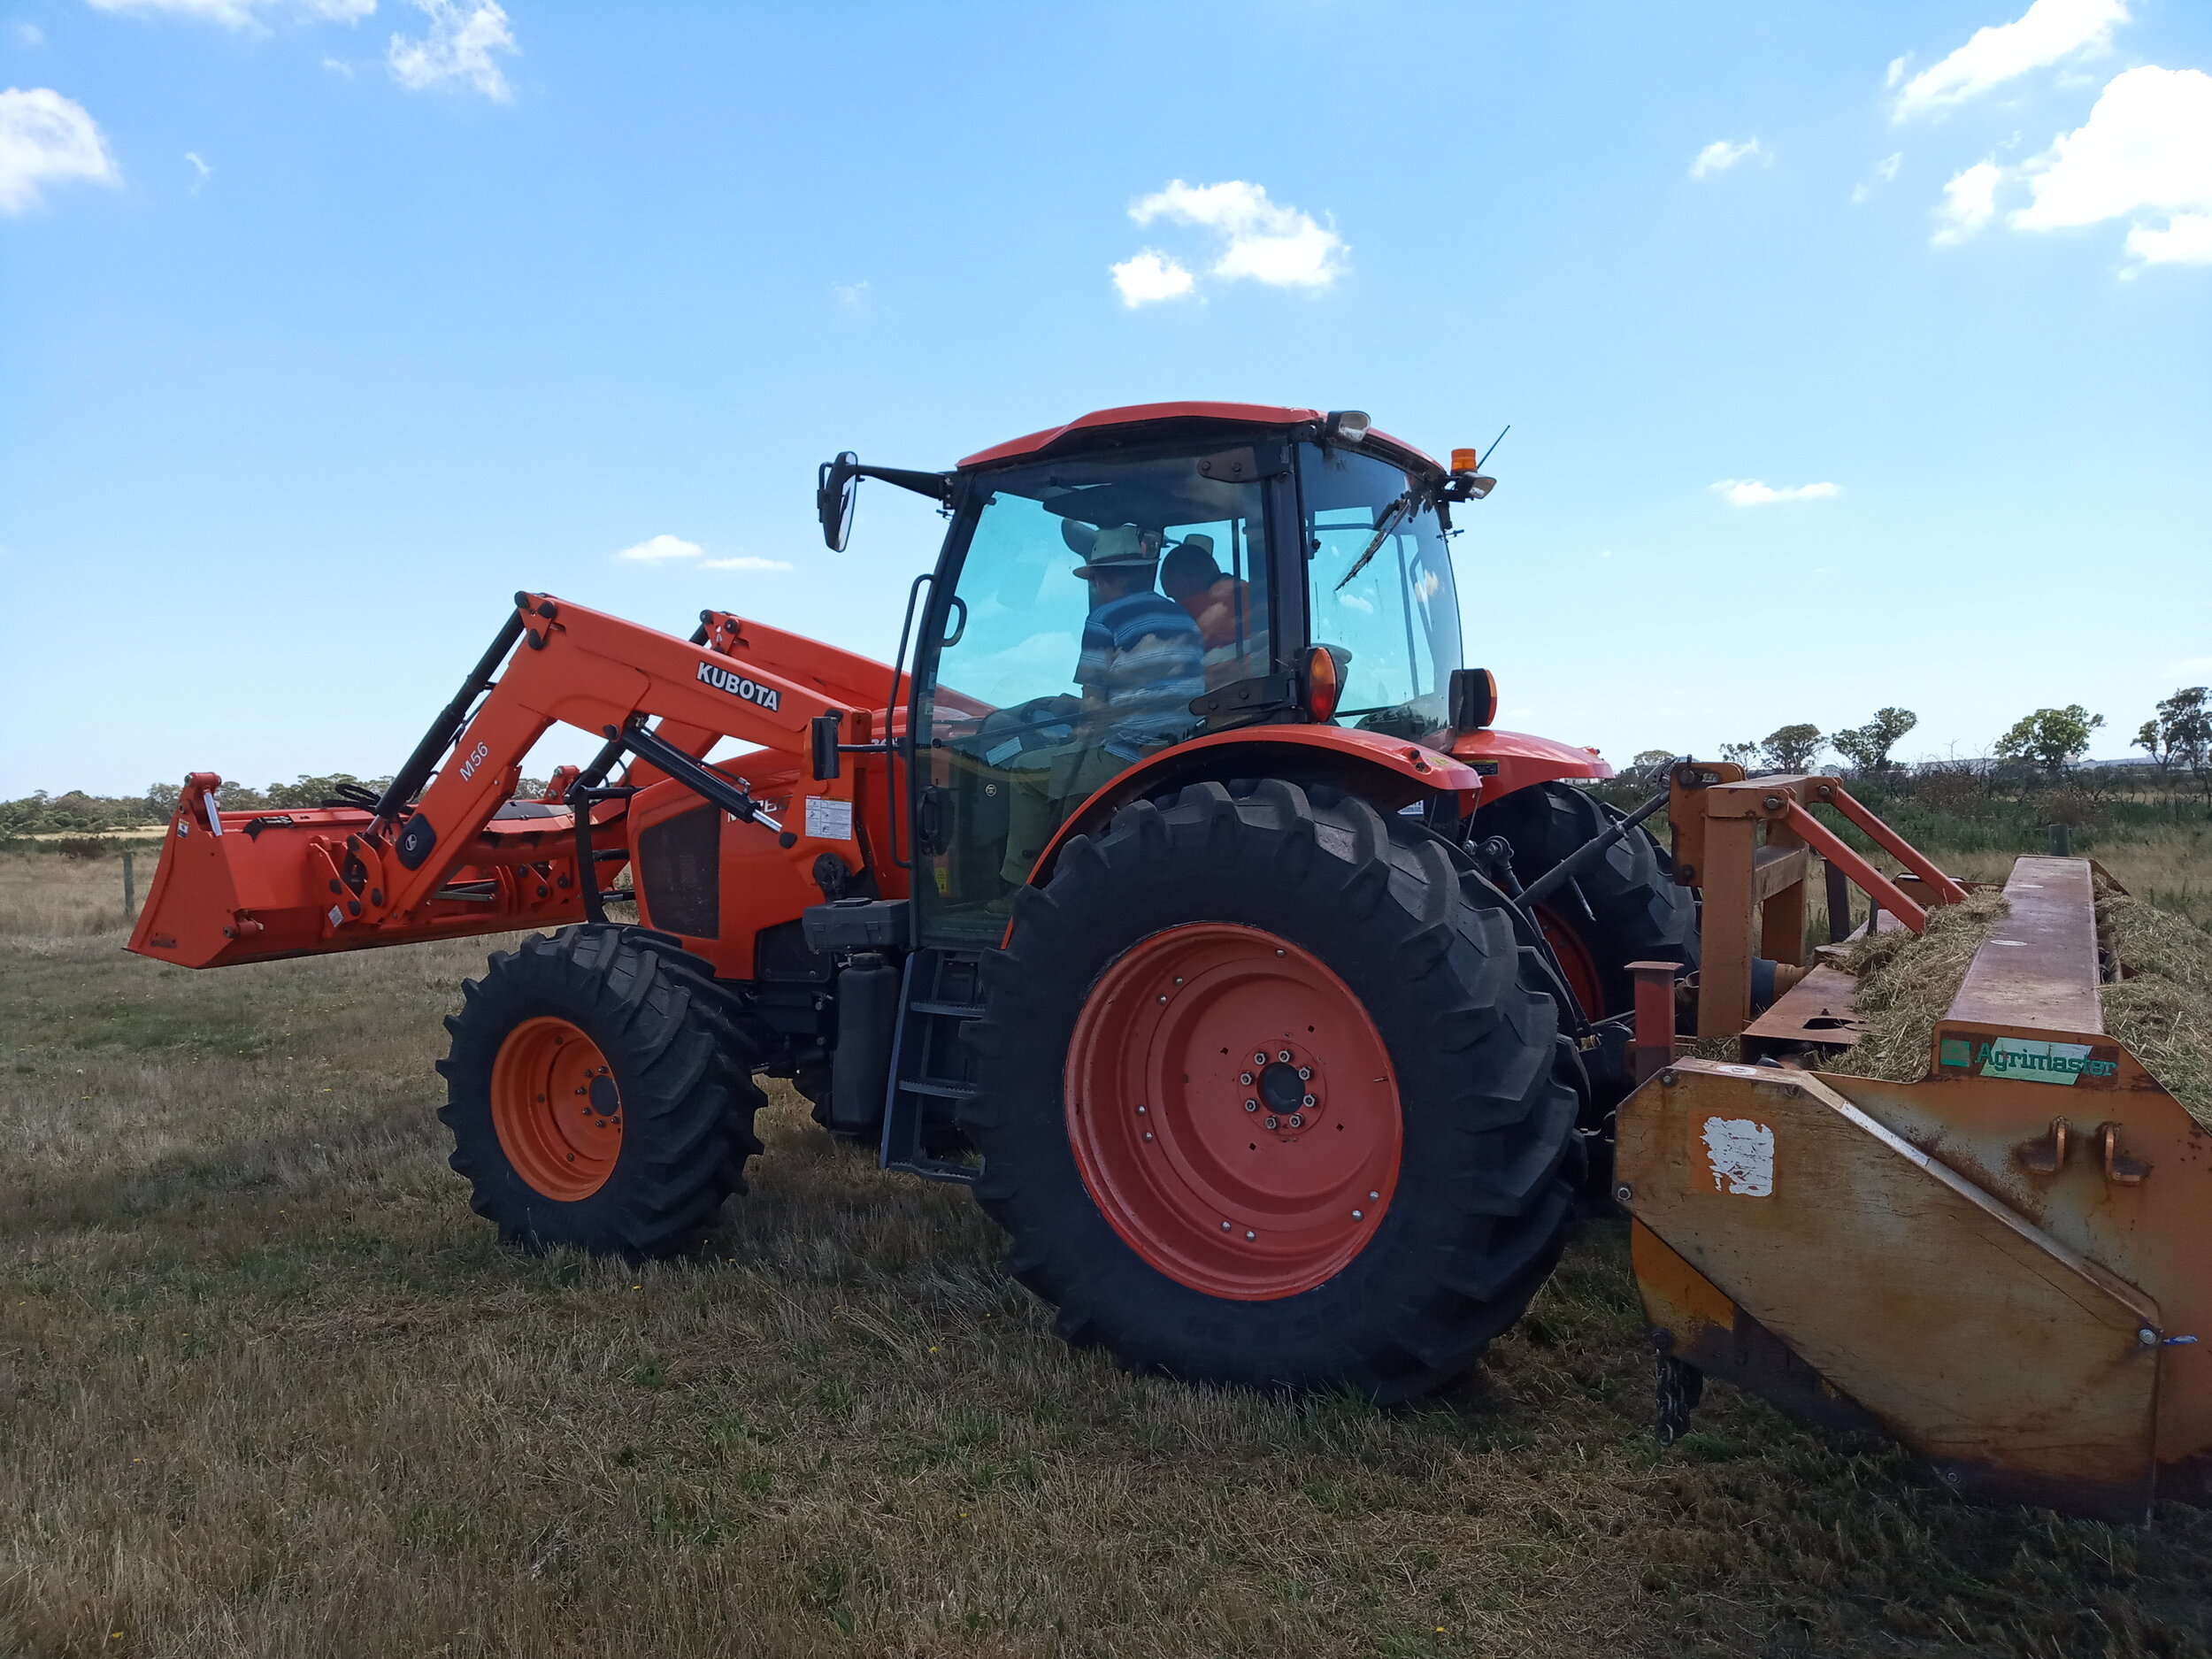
pixel 2159 1008
pixel 2162 1006
pixel 1906 984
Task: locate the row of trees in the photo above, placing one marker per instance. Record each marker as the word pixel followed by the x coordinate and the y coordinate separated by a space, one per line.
pixel 77 813
pixel 2178 738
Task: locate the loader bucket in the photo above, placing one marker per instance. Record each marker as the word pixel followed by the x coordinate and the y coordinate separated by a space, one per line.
pixel 253 886
pixel 2006 1265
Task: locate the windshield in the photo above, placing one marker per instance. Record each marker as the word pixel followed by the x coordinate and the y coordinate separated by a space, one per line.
pixel 1384 607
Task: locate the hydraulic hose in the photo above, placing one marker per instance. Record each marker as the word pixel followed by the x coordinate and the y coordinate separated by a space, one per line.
pixel 410 778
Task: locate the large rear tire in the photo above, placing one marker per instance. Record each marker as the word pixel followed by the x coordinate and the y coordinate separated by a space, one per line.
pixel 1370 1212
pixel 1636 913
pixel 599 1095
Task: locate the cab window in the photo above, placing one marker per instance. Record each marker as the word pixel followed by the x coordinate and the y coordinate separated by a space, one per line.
pixel 1096 600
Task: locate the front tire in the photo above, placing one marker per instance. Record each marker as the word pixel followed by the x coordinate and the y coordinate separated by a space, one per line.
pixel 598 1095
pixel 1147 993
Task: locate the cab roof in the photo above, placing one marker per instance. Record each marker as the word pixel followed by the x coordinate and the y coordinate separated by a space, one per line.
pixel 1099 421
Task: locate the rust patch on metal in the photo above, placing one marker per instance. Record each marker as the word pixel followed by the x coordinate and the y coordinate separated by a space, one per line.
pixel 1994 1348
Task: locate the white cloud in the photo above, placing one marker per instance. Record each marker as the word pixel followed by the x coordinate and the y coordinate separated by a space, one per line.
pixel 1262 239
pixel 1720 155
pixel 201 172
pixel 669 549
pixel 660 549
pixel 746 562
pixel 1896 72
pixel 2045 33
pixel 46 138
pixel 851 295
pixel 238 14
pixel 338 66
pixel 1749 492
pixel 1970 200
pixel 1150 276
pixel 2146 150
pixel 2185 239
pixel 1884 171
pixel 26 35
pixel 458 47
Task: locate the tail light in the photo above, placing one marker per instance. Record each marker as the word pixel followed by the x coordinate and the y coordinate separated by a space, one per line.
pixel 1473 699
pixel 1323 685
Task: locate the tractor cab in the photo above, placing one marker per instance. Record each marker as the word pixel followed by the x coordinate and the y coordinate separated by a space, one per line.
pixel 1111 590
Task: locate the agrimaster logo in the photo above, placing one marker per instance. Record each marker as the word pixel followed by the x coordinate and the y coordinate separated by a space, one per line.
pixel 722 680
pixel 2028 1060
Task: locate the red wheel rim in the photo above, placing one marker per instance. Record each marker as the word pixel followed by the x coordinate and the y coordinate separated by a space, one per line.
pixel 1246 1203
pixel 556 1108
pixel 1574 961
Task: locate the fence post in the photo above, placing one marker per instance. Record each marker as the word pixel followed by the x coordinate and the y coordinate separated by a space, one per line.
pixel 2061 841
pixel 130 885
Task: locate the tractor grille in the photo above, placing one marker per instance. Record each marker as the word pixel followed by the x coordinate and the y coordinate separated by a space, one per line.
pixel 680 874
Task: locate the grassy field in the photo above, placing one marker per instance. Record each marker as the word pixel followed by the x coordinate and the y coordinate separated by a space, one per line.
pixel 266 1387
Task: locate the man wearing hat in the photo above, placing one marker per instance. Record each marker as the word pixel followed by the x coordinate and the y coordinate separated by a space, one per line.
pixel 1139 669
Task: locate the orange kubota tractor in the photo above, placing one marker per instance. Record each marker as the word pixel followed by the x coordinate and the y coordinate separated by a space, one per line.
pixel 1180 895
pixel 1185 929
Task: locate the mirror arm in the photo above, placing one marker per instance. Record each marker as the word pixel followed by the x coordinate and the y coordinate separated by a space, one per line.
pixel 936 485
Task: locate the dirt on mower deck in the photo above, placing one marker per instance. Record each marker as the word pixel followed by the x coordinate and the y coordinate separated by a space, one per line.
pixel 2160 1004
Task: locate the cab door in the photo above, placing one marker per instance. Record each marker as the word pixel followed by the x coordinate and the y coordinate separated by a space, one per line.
pixel 1037 682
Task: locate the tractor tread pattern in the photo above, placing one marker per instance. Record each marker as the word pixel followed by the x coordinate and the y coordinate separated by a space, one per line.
pixel 683 1065
pixel 1489 1096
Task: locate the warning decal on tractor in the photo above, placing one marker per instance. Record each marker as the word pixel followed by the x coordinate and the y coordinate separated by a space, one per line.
pixel 828 819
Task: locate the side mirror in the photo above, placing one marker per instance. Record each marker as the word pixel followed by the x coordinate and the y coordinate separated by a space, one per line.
pixel 835 488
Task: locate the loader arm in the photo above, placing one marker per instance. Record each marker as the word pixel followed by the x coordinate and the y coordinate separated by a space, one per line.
pixel 340 879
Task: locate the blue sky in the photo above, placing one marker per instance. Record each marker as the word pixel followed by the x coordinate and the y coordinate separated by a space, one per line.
pixel 325 326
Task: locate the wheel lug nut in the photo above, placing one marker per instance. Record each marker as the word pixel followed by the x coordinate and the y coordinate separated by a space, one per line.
pixel 1374 1197
pixel 1245 1077
pixel 1307 1101
pixel 1296 1121
pixel 1251 1105
pixel 1284 1057
pixel 1140 1111
pixel 1224 1227
pixel 1359 1214
pixel 1249 1236
pixel 1305 1074
pixel 1148 1135
pixel 1259 1059
pixel 1274 1123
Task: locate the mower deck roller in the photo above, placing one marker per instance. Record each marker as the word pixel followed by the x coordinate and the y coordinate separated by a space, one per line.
pixel 1173 888
pixel 2006 1265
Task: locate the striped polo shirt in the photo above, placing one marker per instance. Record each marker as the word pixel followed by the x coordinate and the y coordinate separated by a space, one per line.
pixel 1142 656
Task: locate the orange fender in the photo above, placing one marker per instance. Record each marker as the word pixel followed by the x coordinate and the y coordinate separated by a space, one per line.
pixel 1388 771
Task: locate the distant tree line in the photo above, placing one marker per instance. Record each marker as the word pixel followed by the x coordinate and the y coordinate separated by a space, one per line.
pixel 2178 738
pixel 74 812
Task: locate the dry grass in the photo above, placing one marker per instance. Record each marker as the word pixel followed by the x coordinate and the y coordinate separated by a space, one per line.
pixel 2162 1010
pixel 266 1388
pixel 43 895
pixel 2170 867
pixel 1907 982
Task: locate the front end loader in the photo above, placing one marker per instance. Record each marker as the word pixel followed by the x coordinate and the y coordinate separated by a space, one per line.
pixel 1173 888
